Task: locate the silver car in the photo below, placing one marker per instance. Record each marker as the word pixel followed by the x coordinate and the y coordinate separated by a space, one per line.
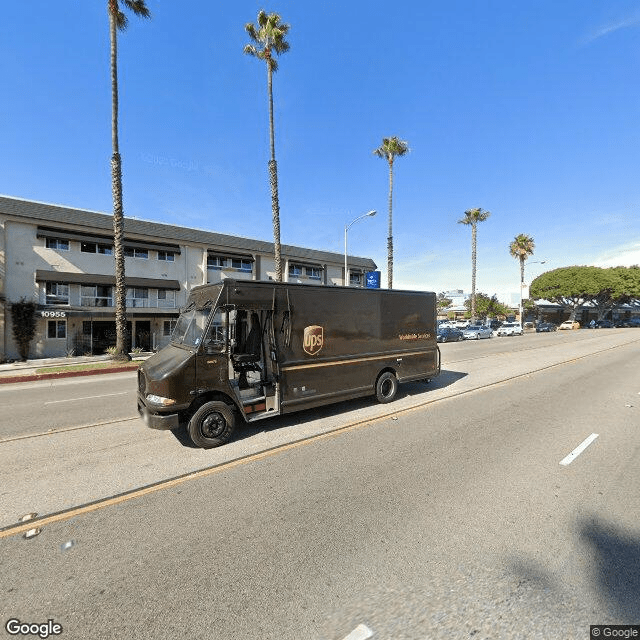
pixel 476 332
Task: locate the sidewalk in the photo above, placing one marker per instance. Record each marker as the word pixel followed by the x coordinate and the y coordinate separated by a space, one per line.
pixel 37 369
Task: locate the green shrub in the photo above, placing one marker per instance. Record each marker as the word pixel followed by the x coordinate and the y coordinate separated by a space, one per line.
pixel 23 317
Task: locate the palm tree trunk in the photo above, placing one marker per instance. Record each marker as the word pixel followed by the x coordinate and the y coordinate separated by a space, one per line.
pixel 273 180
pixel 473 272
pixel 390 231
pixel 275 207
pixel 118 213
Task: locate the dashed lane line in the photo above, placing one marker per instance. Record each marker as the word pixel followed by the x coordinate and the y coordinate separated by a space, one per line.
pixel 578 450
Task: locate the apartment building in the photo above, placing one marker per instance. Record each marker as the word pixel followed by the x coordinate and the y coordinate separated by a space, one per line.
pixel 61 258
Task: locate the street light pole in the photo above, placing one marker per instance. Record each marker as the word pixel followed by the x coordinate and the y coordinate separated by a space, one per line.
pixel 522 288
pixel 347 227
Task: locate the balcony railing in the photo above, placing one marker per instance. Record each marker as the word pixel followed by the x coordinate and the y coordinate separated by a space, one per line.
pixel 137 302
pixel 96 301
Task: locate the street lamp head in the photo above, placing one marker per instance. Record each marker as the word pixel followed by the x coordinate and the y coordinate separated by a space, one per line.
pixel 371 213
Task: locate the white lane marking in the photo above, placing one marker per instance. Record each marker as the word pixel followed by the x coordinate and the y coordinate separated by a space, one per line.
pixel 106 395
pixel 578 450
pixel 361 632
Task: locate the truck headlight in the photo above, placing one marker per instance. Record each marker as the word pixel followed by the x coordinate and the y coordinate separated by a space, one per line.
pixel 160 401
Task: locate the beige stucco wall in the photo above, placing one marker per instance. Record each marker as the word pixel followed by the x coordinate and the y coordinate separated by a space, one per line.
pixel 22 253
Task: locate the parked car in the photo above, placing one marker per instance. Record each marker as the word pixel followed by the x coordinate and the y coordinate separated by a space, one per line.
pixel 495 324
pixel 461 324
pixel 569 324
pixel 476 332
pixel 449 334
pixel 628 322
pixel 604 324
pixel 546 327
pixel 510 329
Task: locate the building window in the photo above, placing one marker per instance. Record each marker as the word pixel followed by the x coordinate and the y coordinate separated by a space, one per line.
pixel 315 273
pixel 355 279
pixel 56 243
pixel 216 262
pixel 168 327
pixel 242 264
pixel 130 252
pixel 96 296
pixel 216 329
pixel 96 247
pixel 168 256
pixel 137 297
pixel 295 270
pixel 56 293
pixel 56 328
pixel 166 299
pixel 222 262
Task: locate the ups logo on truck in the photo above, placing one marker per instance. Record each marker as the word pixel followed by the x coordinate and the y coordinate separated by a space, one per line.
pixel 313 339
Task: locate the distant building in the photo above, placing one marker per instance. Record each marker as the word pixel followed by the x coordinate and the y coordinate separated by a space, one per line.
pixel 62 259
pixel 457 297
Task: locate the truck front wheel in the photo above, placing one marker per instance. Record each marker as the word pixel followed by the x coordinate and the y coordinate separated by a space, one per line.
pixel 211 425
pixel 386 387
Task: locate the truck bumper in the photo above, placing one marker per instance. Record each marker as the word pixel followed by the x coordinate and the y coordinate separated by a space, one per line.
pixel 158 420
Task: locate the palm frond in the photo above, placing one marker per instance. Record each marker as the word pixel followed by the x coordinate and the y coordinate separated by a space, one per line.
pixel 473 216
pixel 263 18
pixel 269 36
pixel 391 148
pixel 250 50
pixel 122 22
pixel 251 30
pixel 138 7
pixel 522 246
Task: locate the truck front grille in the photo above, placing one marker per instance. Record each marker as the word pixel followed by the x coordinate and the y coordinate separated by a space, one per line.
pixel 142 383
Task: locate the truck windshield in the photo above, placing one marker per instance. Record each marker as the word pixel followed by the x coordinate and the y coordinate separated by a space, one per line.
pixel 190 327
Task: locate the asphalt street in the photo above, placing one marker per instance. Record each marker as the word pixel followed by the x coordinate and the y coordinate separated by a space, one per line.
pixel 447 514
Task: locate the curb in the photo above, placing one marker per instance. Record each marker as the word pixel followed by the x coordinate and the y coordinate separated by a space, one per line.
pixel 30 377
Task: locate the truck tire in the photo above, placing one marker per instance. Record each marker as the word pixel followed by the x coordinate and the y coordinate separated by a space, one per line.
pixel 386 387
pixel 211 425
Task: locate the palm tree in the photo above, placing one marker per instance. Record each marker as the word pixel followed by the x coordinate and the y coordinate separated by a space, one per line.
pixel 268 36
pixel 521 248
pixel 118 22
pixel 389 149
pixel 472 217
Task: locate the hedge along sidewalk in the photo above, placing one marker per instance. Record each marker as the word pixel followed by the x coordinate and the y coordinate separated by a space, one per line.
pixel 61 368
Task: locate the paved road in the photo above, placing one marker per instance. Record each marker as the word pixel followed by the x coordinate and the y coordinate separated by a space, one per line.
pixel 445 515
pixel 28 408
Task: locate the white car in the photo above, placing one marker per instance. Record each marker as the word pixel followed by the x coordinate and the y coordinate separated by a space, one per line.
pixel 509 329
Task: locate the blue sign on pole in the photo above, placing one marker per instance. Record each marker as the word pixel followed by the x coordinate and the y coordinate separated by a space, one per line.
pixel 372 279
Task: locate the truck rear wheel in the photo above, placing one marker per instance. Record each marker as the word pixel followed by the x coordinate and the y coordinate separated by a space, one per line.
pixel 386 387
pixel 211 425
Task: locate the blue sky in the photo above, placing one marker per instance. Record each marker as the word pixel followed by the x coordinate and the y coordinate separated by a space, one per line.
pixel 528 109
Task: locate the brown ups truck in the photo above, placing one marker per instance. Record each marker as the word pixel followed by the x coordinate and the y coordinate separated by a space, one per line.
pixel 248 350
